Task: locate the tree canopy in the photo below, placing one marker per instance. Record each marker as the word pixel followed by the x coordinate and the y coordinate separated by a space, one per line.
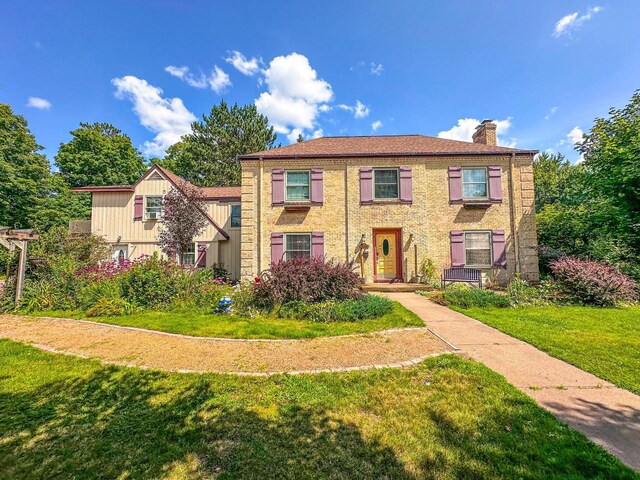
pixel 208 155
pixel 23 170
pixel 99 154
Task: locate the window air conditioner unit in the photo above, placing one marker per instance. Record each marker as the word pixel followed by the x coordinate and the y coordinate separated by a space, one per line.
pixel 154 215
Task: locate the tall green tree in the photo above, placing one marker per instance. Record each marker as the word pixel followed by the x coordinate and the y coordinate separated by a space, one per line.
pixel 612 159
pixel 23 170
pixel 60 205
pixel 99 154
pixel 208 155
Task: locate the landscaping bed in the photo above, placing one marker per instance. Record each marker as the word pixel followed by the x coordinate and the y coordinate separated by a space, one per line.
pixel 446 418
pixel 602 341
pixel 202 323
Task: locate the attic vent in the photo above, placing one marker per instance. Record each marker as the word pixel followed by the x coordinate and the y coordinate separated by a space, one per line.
pixel 155 176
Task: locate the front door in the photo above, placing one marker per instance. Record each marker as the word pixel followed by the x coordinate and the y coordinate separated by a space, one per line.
pixel 119 253
pixel 386 261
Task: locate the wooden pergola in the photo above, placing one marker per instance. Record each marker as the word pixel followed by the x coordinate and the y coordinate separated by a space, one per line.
pixel 11 239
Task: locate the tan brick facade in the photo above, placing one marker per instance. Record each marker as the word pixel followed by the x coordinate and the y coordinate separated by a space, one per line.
pixel 425 223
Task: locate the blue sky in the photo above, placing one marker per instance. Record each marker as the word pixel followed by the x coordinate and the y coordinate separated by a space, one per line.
pixel 321 68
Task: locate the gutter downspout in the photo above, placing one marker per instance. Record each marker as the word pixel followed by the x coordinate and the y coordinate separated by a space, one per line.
pixel 512 213
pixel 259 217
pixel 346 208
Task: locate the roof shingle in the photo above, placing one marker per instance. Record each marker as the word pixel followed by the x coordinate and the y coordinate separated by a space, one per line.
pixel 382 145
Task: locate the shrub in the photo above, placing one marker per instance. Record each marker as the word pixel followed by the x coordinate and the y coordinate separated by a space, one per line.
pixel 369 306
pixel 466 297
pixel 522 294
pixel 429 273
pixel 153 281
pixel 366 307
pixel 244 300
pixel 43 295
pixel 90 293
pixel 593 283
pixel 312 280
pixel 111 307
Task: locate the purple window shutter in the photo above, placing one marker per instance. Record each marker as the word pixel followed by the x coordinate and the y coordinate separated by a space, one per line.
pixel 406 184
pixel 366 185
pixel 499 249
pixel 495 183
pixel 317 244
pixel 138 204
pixel 455 184
pixel 277 246
pixel 316 186
pixel 457 248
pixel 202 255
pixel 277 186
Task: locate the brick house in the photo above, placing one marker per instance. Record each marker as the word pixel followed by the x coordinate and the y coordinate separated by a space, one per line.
pixel 384 202
pixel 389 202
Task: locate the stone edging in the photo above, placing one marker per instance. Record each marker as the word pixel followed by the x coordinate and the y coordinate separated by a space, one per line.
pixel 227 339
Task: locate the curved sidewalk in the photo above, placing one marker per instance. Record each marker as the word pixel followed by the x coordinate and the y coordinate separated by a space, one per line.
pixel 606 414
pixel 171 352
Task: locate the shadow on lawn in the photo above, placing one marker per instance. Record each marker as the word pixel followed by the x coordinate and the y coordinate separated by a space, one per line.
pixel 116 425
pixel 127 423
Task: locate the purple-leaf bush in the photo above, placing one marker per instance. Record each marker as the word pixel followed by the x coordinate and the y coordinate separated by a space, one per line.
pixel 311 280
pixel 593 283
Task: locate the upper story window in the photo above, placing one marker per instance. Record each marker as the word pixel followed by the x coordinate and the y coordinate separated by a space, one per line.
pixel 297 186
pixel 236 214
pixel 477 249
pixel 297 245
pixel 189 257
pixel 385 184
pixel 153 207
pixel 474 183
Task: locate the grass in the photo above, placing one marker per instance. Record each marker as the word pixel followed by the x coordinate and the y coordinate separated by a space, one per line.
pixel 202 324
pixel 602 341
pixel 447 418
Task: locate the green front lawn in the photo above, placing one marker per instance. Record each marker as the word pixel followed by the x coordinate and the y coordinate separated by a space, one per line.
pixel 602 341
pixel 448 418
pixel 202 324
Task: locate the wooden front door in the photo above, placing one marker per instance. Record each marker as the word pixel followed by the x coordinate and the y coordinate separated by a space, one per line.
pixel 387 250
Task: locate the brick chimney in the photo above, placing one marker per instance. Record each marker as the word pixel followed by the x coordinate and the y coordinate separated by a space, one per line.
pixel 485 133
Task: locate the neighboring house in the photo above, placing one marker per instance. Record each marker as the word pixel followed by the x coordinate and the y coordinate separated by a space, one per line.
pixel 389 202
pixel 129 218
pixel 386 203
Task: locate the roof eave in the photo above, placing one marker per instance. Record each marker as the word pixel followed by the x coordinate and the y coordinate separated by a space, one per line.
pixel 387 155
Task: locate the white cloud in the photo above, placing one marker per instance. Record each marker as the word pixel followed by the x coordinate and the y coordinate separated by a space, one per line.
pixel 359 110
pixel 38 45
pixel 463 131
pixel 168 118
pixel 376 125
pixel 218 81
pixel 376 68
pixel 39 103
pixel 551 113
pixel 294 95
pixel 246 66
pixel 571 22
pixel 575 135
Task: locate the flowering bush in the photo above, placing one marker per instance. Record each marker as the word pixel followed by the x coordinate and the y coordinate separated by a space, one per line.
pixel 593 283
pixel 311 280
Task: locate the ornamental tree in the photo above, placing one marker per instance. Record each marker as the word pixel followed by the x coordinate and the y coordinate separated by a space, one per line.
pixel 184 219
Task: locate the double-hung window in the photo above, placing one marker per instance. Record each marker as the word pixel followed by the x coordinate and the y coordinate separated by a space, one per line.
pixel 474 183
pixel 297 186
pixel 297 245
pixel 189 257
pixel 153 208
pixel 477 249
pixel 385 184
pixel 236 214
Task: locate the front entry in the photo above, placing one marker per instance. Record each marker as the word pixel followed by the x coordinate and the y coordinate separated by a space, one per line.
pixel 387 259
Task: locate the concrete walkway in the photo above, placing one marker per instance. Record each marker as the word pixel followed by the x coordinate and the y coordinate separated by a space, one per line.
pixel 608 415
pixel 172 352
